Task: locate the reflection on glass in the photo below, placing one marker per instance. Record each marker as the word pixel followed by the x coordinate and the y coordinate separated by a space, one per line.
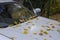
pixel 19 14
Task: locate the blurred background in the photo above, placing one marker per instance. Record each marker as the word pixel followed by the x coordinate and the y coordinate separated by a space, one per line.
pixel 49 8
pixel 13 12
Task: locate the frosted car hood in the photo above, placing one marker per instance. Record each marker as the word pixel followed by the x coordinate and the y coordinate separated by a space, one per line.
pixel 39 28
pixel 4 38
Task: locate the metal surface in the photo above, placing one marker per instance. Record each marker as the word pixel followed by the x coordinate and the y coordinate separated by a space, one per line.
pixel 3 2
pixel 30 30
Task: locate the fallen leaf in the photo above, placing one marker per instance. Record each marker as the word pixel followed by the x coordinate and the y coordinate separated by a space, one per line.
pixel 25 32
pixel 41 30
pixel 29 27
pixel 46 33
pixel 35 33
pixel 48 29
pixel 40 33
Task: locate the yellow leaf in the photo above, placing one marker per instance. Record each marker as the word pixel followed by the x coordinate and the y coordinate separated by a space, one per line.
pixel 35 33
pixel 25 32
pixel 46 33
pixel 41 31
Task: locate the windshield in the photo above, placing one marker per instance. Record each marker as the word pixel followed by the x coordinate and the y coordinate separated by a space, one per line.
pixel 19 14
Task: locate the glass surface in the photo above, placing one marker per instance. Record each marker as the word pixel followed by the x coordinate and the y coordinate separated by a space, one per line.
pixel 18 14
